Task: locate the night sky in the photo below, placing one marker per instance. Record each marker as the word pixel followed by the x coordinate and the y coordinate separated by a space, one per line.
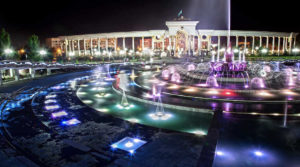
pixel 69 17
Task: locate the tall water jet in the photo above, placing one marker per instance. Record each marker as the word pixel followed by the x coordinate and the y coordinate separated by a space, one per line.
pixel 229 22
pixel 159 113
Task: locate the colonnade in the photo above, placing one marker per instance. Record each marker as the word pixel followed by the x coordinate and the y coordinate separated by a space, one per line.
pixel 193 44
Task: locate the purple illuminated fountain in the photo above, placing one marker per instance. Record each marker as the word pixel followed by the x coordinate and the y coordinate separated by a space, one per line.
pixel 228 65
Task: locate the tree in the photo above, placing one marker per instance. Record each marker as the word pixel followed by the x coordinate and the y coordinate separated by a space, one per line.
pixel 33 48
pixel 4 40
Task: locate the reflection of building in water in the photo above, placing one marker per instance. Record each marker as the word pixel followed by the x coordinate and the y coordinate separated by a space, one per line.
pixel 180 37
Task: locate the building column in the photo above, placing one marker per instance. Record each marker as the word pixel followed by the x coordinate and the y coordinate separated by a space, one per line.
pixel 260 41
pixel 199 43
pixel 32 72
pixel 253 43
pixel 286 43
pixel 98 44
pixel 209 42
pixel 278 45
pixel 48 71
pixel 0 77
pixel 133 43
pixel 84 47
pixel 17 75
pixel 66 47
pixel 219 44
pixel 273 45
pixel 115 44
pixel 73 46
pixel 91 47
pixel 11 72
pixel 152 41
pixel 290 44
pixel 174 43
pixel 236 41
pixel 106 45
pixel 124 43
pixel 245 43
pixel 70 45
pixel 163 44
pixel 143 44
pixel 193 47
pixel 283 48
pixel 267 42
pixel 295 42
pixel 189 45
pixel 78 47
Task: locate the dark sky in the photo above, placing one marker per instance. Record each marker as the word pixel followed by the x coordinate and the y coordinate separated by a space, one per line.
pixel 66 17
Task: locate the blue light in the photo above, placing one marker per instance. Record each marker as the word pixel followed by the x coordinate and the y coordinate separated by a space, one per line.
pixel 72 121
pixel 258 153
pixel 128 144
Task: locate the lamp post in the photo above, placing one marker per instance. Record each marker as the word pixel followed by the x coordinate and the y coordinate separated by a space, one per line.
pixel 43 53
pixel 8 52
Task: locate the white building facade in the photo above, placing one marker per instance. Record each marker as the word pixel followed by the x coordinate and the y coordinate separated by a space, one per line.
pixel 180 38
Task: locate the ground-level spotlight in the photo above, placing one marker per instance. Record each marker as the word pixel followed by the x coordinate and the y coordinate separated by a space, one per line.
pixel 258 153
pixel 128 144
pixel 72 121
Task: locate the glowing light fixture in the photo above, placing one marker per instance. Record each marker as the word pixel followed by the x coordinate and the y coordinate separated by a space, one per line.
pixel 128 144
pixel 52 107
pixel 8 51
pixel 59 114
pixel 72 121
pixel 42 52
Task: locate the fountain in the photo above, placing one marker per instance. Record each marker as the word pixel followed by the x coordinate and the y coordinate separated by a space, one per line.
pixel 175 77
pixel 257 83
pixel 211 81
pixel 132 75
pixel 191 67
pixel 160 113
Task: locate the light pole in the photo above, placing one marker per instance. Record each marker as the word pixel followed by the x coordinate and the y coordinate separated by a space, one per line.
pixel 43 53
pixel 8 52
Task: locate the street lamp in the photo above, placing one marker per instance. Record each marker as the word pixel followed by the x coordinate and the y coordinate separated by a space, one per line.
pixel 8 51
pixel 264 51
pixel 42 52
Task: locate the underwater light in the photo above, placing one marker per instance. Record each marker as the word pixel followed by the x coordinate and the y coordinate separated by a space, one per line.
pixel 258 153
pixel 173 87
pixel 102 109
pixel 59 114
pixel 88 101
pixel 81 93
pixel 212 92
pixel 160 116
pixel 199 132
pixel 219 153
pixel 190 89
pixel 50 101
pixel 133 120
pixel 50 96
pixel 52 107
pixel 264 94
pixel 289 92
pixel 73 121
pixel 128 144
